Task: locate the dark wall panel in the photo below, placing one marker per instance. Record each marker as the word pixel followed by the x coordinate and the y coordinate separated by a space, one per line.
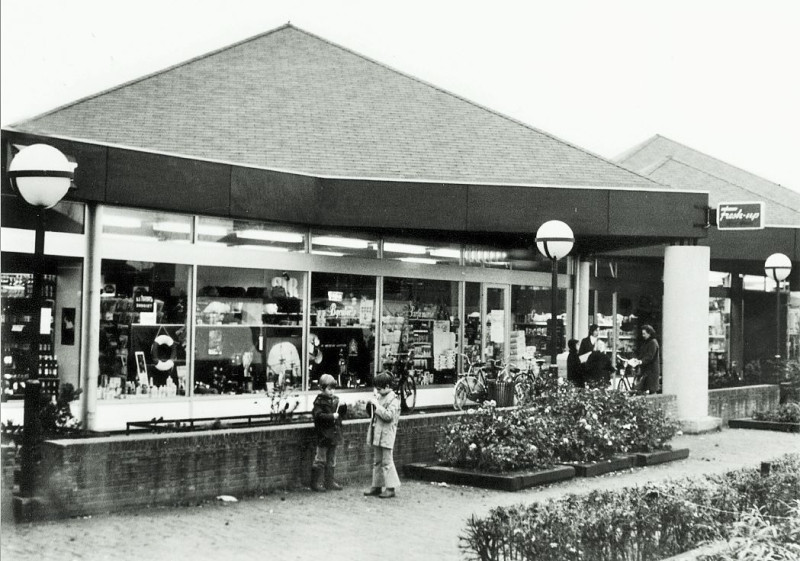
pixel 754 245
pixel 269 195
pixel 377 204
pixel 524 209
pixel 167 182
pixel 656 213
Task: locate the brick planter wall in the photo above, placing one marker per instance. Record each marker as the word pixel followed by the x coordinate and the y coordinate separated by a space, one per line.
pixel 666 402
pixel 8 460
pixel 737 403
pixel 107 474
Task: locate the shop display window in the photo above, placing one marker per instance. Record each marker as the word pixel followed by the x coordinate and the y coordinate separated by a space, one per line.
pixel 252 235
pixel 249 330
pixel 342 245
pixel 342 332
pixel 421 315
pixel 719 314
pixel 143 315
pixel 472 321
pixel 421 252
pixel 139 225
pixel 531 314
pixel 66 216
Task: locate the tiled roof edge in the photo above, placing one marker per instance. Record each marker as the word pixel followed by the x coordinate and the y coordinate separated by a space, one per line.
pixel 148 76
pixel 631 152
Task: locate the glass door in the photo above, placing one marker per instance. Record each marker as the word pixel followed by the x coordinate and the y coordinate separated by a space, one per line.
pixel 496 302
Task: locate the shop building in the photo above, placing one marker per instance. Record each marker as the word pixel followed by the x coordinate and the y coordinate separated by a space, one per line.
pixel 284 207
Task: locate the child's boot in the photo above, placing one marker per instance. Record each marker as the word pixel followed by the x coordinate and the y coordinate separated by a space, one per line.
pixel 388 493
pixel 373 492
pixel 317 479
pixel 330 482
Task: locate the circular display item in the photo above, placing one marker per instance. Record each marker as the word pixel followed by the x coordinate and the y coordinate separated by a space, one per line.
pixel 164 352
pixel 282 357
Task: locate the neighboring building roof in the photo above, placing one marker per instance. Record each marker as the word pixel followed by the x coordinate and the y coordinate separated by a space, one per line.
pixel 672 163
pixel 288 100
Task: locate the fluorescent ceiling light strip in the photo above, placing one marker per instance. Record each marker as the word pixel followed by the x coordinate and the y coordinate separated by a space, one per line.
pixel 266 248
pixel 121 221
pixel 328 253
pixel 422 260
pixel 130 237
pixel 212 230
pixel 404 248
pixel 447 253
pixel 271 236
pixel 335 241
pixel 175 227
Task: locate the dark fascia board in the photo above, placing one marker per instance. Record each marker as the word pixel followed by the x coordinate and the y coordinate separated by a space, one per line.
pixel 754 245
pixel 602 218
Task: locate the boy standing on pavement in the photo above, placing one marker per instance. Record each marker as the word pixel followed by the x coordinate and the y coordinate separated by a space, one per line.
pixel 328 427
pixel 381 435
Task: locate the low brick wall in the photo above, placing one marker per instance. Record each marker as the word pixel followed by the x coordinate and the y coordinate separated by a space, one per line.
pixel 107 474
pixel 666 402
pixel 8 460
pixel 737 403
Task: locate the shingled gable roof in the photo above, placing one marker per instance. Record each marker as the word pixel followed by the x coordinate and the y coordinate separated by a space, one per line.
pixel 289 100
pixel 673 163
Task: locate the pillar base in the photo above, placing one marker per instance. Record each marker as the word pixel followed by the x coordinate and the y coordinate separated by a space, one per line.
pixel 699 425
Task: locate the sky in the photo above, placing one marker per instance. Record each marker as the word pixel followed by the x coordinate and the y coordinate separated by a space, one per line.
pixel 721 76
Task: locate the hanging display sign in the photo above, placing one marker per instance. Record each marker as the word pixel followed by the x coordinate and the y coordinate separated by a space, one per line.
pixel 740 216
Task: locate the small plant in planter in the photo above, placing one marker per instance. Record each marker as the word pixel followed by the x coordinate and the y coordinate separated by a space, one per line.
pixel 786 413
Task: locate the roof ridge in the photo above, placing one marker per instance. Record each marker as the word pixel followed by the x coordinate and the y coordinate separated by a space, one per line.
pixel 478 105
pixel 681 162
pixel 631 152
pixel 69 104
pixel 730 165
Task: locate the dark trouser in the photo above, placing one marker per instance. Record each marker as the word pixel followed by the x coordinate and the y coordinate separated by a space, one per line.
pixel 325 456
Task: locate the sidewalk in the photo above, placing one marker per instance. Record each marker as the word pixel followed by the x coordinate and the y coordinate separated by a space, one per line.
pixel 423 523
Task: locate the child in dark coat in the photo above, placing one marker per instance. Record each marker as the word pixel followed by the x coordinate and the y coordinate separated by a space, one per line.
pixel 574 371
pixel 328 428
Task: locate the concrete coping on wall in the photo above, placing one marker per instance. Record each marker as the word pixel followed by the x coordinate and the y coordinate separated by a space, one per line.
pixel 149 436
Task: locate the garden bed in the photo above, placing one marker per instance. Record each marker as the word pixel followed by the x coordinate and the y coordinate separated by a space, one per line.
pixel 763 425
pixel 513 481
pixel 593 469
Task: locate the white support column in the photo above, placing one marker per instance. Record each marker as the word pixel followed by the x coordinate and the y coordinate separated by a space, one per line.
pixel 580 314
pixel 685 334
pixel 90 350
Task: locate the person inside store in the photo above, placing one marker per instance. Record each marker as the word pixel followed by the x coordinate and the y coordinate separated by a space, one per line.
pixel 648 359
pixel 328 430
pixel 598 368
pixel 385 406
pixel 574 364
pixel 586 347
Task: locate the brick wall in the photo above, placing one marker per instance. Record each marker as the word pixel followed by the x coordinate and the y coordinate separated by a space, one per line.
pixel 666 402
pixel 112 473
pixel 8 460
pixel 737 403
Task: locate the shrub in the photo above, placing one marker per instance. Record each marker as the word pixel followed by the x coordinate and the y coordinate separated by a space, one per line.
pixel 560 424
pixel 650 522
pixel 787 413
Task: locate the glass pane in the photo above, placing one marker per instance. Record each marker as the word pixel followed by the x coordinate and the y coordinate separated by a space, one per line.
pixel 421 316
pixel 719 318
pixel 143 330
pixel 53 358
pixel 513 258
pixel 66 216
pixel 529 312
pixel 472 321
pixel 138 225
pixel 249 331
pixel 340 245
pixel 342 333
pixel 427 253
pixel 252 235
pixel 496 335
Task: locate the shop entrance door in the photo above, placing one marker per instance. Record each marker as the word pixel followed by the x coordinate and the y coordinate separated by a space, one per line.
pixel 496 303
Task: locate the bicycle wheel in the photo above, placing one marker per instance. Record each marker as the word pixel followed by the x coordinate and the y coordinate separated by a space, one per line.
pixel 408 394
pixel 460 394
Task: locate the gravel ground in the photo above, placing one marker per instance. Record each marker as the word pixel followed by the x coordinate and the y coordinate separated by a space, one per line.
pixel 423 522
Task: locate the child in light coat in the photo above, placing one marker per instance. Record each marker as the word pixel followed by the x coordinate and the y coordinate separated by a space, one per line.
pixel 381 435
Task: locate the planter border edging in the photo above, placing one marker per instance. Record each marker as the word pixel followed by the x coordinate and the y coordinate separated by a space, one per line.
pixel 594 469
pixel 763 425
pixel 505 482
pixel 660 456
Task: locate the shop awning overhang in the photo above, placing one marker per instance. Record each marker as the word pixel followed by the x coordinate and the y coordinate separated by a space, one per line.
pixel 603 218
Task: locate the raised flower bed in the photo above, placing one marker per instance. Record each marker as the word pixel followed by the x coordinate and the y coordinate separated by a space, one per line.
pixel 786 419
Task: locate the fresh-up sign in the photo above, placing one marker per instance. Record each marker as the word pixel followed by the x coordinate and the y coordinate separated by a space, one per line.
pixel 740 216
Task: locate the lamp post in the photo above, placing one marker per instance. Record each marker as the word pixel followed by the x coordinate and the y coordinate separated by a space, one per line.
pixel 554 239
pixel 777 267
pixel 41 175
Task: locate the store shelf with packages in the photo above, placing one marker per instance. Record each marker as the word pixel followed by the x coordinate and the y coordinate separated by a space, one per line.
pixel 23 357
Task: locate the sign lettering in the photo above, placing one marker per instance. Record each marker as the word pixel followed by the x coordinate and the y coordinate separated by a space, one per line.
pixel 740 216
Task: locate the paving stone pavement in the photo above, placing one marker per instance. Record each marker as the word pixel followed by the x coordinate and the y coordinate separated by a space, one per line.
pixel 422 523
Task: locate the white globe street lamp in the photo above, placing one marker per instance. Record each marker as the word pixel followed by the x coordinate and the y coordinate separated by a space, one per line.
pixel 554 239
pixel 777 267
pixel 41 175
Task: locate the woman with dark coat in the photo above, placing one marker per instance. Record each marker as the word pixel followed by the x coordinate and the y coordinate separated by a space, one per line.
pixel 649 358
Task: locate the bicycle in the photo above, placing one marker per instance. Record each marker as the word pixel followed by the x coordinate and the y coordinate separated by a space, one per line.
pixel 403 382
pixel 624 366
pixel 471 384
